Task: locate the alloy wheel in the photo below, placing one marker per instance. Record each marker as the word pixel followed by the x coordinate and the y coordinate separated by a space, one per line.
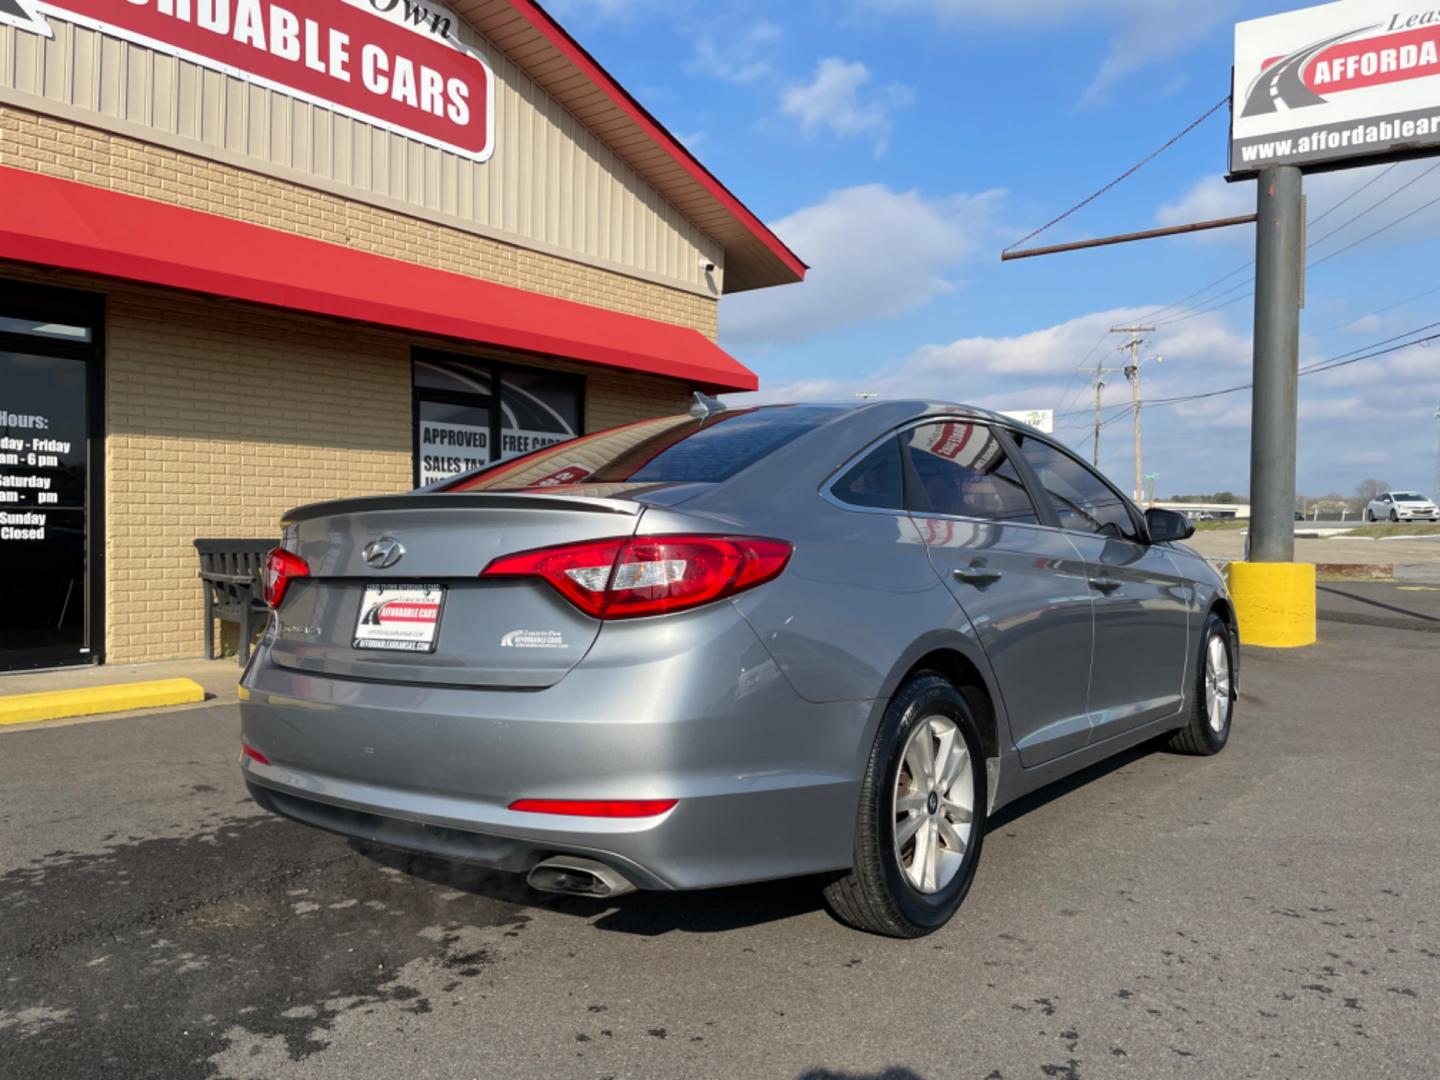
pixel 1217 684
pixel 934 804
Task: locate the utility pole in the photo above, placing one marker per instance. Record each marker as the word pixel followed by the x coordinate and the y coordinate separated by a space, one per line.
pixel 1132 372
pixel 1099 389
pixel 1100 372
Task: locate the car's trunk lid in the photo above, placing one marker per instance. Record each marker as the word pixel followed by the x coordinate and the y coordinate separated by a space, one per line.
pixel 516 633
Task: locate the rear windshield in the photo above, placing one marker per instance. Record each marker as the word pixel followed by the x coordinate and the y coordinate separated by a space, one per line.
pixel 673 449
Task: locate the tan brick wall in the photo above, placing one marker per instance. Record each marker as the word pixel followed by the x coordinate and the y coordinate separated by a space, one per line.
pixel 221 416
pixel 55 147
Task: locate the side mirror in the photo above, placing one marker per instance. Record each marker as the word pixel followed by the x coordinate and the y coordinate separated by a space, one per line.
pixel 1166 525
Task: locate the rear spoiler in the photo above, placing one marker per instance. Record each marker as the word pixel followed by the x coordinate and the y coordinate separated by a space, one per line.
pixel 475 500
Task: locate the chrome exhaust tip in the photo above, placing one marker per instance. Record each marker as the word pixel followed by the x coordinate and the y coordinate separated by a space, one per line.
pixel 575 876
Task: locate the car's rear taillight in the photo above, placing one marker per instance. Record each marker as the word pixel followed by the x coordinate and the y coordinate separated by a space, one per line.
pixel 626 577
pixel 280 567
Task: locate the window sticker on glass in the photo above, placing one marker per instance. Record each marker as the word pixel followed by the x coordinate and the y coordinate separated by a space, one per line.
pixel 570 474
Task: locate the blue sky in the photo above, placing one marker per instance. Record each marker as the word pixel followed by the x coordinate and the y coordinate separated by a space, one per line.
pixel 899 145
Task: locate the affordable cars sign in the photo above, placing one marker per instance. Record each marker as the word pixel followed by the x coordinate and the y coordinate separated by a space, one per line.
pixel 1358 79
pixel 398 64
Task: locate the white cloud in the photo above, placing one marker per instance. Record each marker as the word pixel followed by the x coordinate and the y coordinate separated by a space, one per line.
pixel 693 140
pixel 738 57
pixel 1144 31
pixel 840 99
pixel 1344 207
pixel 1369 325
pixel 1370 413
pixel 1210 198
pixel 1028 370
pixel 620 10
pixel 874 253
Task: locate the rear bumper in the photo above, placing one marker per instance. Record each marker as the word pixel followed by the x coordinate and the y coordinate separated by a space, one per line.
pixel 768 783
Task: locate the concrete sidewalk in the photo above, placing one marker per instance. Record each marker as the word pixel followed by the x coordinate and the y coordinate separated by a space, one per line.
pixel 218 678
pixel 1227 545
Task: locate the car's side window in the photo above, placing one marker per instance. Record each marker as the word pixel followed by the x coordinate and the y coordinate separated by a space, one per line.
pixel 1082 500
pixel 875 481
pixel 961 469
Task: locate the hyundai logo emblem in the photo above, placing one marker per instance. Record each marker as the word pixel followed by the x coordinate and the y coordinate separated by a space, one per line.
pixel 383 553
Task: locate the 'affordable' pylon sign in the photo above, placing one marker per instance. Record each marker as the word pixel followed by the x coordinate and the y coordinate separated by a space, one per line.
pixel 1344 82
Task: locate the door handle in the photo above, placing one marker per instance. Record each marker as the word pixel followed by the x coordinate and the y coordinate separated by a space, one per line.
pixel 977 575
pixel 1104 584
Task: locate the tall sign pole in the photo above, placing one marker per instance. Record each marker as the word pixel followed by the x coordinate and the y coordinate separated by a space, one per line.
pixel 1279 257
pixel 1435 491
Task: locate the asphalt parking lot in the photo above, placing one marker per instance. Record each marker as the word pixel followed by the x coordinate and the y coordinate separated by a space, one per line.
pixel 1267 913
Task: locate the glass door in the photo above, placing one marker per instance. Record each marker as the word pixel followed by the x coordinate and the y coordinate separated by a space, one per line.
pixel 50 383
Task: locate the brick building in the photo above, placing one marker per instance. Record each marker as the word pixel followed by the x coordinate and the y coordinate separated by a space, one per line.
pixel 255 255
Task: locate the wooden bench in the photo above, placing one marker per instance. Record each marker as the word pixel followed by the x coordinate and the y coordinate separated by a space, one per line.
pixel 230 573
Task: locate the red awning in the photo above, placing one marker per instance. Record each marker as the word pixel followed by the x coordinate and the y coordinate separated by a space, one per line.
pixel 75 226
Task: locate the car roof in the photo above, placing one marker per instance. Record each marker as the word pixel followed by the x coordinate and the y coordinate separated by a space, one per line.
pixel 902 408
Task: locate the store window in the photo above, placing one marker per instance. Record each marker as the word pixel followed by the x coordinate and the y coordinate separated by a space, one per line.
pixel 50 410
pixel 471 412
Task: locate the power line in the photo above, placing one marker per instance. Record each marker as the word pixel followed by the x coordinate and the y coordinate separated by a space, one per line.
pixel 1318 262
pixel 1187 312
pixel 1377 232
pixel 1381 311
pixel 1186 299
pixel 1318 365
pixel 1125 175
pixel 1375 205
pixel 1370 352
pixel 1074 378
pixel 1377 344
pixel 1363 187
pixel 1310 369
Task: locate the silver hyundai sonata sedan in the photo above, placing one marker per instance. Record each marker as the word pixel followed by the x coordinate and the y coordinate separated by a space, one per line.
pixel 729 646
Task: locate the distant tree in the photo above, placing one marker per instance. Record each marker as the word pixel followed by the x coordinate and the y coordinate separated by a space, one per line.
pixel 1368 489
pixel 1218 497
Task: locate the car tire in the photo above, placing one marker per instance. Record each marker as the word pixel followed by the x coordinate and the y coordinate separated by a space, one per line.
pixel 1369 516
pixel 1394 518
pixel 879 894
pixel 1207 731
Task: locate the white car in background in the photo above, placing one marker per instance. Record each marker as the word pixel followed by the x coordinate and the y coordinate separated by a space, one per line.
pixel 1401 506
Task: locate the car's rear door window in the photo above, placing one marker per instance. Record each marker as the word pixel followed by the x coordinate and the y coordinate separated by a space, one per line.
pixel 1083 501
pixel 961 469
pixel 875 481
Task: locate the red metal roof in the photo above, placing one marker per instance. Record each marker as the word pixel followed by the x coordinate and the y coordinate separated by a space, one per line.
pixel 754 256
pixel 75 226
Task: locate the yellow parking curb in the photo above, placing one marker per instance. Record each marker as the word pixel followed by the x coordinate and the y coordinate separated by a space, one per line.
pixel 120 697
pixel 1274 603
